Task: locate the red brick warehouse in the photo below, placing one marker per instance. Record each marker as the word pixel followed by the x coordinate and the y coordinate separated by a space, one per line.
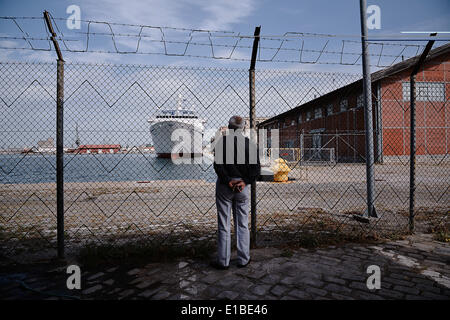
pixel 334 122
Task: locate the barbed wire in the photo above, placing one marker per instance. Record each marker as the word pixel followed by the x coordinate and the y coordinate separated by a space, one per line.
pixel 292 34
pixel 217 45
pixel 291 47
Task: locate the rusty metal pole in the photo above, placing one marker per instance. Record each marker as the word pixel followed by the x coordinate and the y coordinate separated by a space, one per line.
pixel 368 121
pixel 412 151
pixel 60 157
pixel 59 141
pixel 252 128
pixel 412 146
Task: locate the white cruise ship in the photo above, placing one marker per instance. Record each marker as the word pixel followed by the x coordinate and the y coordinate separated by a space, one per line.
pixel 167 121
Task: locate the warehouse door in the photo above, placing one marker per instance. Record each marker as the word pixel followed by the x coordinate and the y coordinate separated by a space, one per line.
pixel 317 141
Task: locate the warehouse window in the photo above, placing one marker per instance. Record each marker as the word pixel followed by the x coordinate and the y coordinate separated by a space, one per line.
pixel 292 122
pixel 308 115
pixel 318 113
pixel 300 118
pixel 343 105
pixel 360 101
pixel 329 109
pixel 425 91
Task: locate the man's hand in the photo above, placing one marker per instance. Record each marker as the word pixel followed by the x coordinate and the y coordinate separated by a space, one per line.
pixel 232 183
pixel 237 185
pixel 240 185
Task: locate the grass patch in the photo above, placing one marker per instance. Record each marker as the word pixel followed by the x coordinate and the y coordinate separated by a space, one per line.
pixel 441 233
pixel 310 239
pixel 142 253
pixel 314 227
pixel 287 253
pixel 442 236
pixel 424 214
pixel 320 239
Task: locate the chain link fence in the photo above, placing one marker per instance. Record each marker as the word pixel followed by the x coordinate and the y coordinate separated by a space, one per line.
pixel 121 185
pixel 432 124
pixel 323 142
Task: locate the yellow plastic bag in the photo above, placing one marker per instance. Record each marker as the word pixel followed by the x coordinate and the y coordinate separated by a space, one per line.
pixel 280 170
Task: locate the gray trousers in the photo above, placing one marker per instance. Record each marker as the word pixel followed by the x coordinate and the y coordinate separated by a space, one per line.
pixel 227 201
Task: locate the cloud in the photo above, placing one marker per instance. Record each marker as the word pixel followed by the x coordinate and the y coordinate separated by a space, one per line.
pixel 217 15
pixel 8 44
pixel 222 14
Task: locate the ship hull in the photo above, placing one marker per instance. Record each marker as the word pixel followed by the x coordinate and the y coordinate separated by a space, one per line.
pixel 189 144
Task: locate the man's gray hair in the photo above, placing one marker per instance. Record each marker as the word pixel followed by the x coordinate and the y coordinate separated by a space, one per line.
pixel 236 123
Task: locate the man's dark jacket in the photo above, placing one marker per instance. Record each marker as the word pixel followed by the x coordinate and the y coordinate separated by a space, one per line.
pixel 247 171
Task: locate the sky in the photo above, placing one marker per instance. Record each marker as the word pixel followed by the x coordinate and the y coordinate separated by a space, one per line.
pixel 116 111
pixel 274 17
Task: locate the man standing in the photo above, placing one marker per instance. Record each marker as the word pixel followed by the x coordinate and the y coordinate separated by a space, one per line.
pixel 236 162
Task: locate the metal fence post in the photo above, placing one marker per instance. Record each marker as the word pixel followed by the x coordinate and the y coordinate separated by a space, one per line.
pixel 336 138
pixel 302 144
pixel 367 91
pixel 253 126
pixel 60 157
pixel 412 134
pixel 379 127
pixel 59 141
pixel 412 150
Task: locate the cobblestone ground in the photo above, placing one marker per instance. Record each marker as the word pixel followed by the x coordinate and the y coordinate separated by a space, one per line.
pixel 415 268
